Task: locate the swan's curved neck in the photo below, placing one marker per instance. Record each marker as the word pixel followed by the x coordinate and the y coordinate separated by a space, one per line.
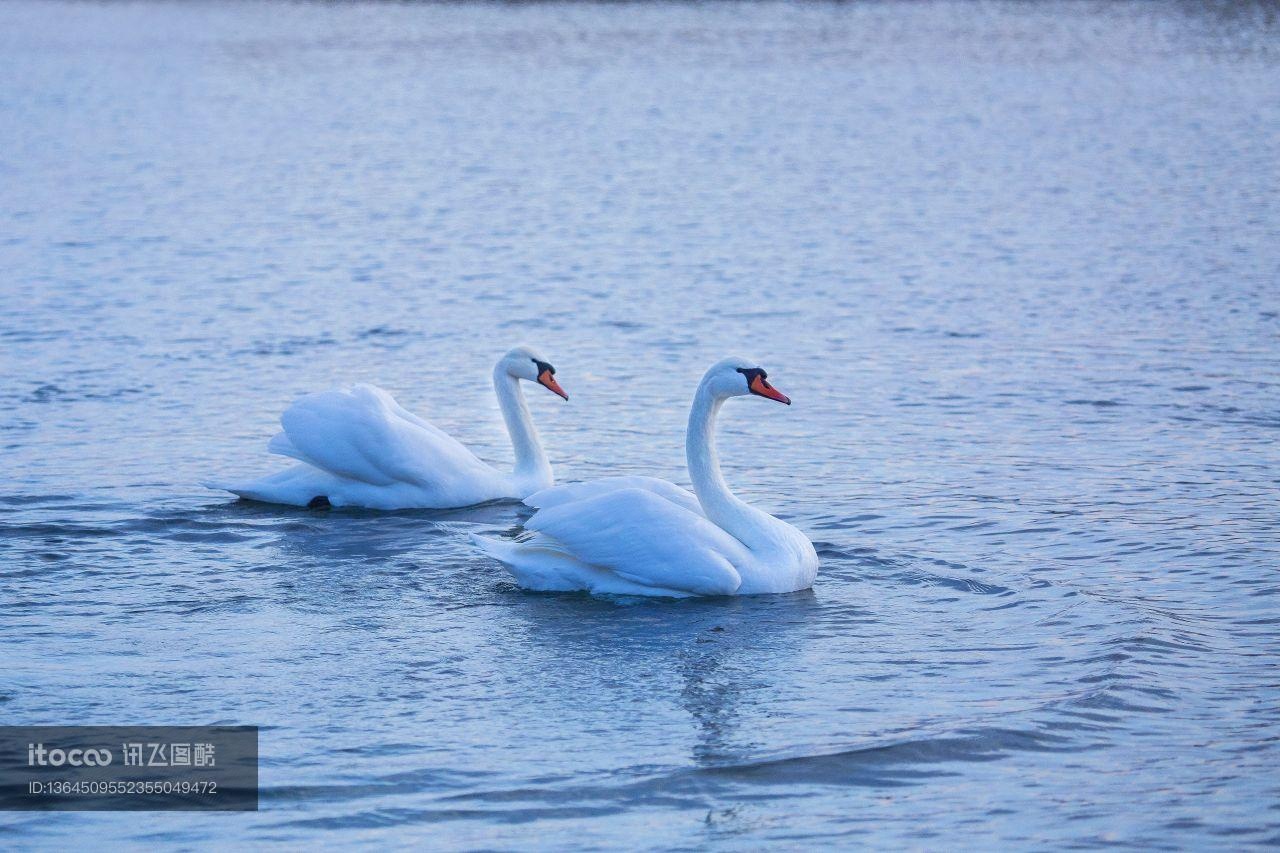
pixel 531 461
pixel 745 523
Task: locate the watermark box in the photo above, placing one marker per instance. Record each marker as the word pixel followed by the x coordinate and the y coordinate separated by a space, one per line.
pixel 129 768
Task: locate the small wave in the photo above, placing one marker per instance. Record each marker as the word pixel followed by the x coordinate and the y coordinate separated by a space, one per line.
pixel 918 577
pixel 33 500
pixel 290 345
pixel 382 332
pixel 50 393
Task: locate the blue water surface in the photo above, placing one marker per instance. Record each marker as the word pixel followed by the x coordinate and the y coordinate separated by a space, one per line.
pixel 1017 264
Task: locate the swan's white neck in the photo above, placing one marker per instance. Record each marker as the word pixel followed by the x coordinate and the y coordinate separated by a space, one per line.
pixel 532 470
pixel 747 524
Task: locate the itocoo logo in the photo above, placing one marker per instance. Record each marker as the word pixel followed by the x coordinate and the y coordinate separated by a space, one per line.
pixel 38 756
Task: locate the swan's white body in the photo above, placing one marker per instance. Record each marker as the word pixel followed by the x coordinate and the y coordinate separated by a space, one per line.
pixel 645 536
pixel 359 447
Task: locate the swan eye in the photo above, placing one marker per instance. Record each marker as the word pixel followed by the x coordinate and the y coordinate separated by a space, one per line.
pixel 543 367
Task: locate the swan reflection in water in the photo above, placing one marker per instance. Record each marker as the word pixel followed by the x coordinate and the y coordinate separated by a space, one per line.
pixel 723 665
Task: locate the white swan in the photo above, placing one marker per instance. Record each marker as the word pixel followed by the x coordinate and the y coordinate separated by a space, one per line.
pixel 360 448
pixel 645 536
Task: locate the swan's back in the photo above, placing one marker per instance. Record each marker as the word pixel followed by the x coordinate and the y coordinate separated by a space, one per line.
pixel 363 434
pixel 571 492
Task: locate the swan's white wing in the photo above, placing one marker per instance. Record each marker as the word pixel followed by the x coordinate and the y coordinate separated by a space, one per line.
pixel 570 492
pixel 281 445
pixel 362 434
pixel 395 408
pixel 646 539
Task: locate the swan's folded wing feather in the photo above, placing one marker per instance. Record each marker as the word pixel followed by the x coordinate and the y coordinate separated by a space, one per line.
pixel 362 434
pixel 281 445
pixel 646 539
pixel 570 492
pixel 395 408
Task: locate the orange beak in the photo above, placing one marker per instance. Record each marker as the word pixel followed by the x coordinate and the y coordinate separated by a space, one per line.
pixel 547 380
pixel 764 389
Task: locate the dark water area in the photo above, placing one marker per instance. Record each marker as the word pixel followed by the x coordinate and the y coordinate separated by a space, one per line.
pixel 1016 264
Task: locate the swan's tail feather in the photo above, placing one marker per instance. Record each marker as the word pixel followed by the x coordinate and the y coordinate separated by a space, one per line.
pixel 502 550
pixel 245 491
pixel 538 563
pixel 296 486
pixel 542 564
